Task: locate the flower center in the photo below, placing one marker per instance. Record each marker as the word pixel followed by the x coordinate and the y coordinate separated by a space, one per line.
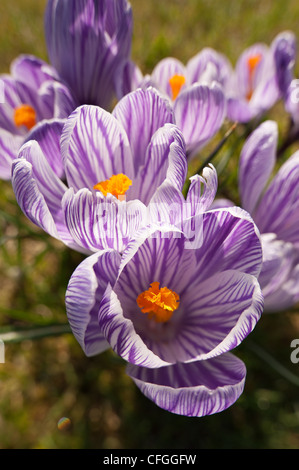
pixel 252 63
pixel 176 82
pixel 117 185
pixel 25 116
pixel 158 303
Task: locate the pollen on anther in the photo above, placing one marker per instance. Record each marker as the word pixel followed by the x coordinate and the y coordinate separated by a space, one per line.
pixel 176 82
pixel 117 185
pixel 25 115
pixel 158 303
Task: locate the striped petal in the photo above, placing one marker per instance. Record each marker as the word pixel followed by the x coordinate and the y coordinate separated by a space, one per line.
pixel 47 134
pixel 202 190
pixel 31 69
pixel 286 295
pixel 226 233
pixel 142 113
pixel 97 222
pixel 128 78
pixel 208 66
pixel 9 147
pixel 199 113
pixel 256 164
pixel 279 259
pixel 86 42
pixel 164 71
pixel 94 146
pixel 220 312
pixel 165 159
pixel 278 210
pixel 197 389
pixel 29 198
pixel 83 297
pixel 284 49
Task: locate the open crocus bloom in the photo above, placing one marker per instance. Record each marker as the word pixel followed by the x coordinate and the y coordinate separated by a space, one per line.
pixel 260 76
pixel 174 310
pixel 86 40
pixel 195 91
pixel 275 210
pixel 31 93
pixel 112 164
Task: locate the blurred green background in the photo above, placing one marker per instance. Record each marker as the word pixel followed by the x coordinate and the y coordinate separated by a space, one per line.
pixel 46 379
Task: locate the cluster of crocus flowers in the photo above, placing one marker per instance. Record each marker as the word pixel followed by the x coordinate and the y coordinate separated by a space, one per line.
pixel 172 283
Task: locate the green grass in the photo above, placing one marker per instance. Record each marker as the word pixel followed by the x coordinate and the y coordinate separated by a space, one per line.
pixel 46 379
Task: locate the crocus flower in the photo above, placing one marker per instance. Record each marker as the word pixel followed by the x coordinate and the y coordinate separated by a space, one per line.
pixel 174 310
pixel 260 77
pixel 112 164
pixel 274 206
pixel 86 41
pixel 195 91
pixel 31 93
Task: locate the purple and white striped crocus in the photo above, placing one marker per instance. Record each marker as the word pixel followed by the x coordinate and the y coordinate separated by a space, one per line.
pixel 260 78
pixel 196 92
pixel 31 93
pixel 86 41
pixel 274 206
pixel 112 165
pixel 174 310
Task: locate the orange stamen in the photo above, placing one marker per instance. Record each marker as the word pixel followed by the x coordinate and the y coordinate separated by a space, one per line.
pixel 158 303
pixel 117 185
pixel 176 82
pixel 25 115
pixel 252 63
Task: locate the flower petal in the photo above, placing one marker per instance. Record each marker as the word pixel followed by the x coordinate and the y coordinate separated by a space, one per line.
pixel 47 134
pixel 165 159
pixel 219 313
pixel 256 164
pixel 94 146
pixel 197 389
pixel 9 147
pixel 31 69
pixel 83 297
pixel 202 190
pixel 97 222
pixel 164 70
pixel 199 113
pixel 86 42
pixel 278 210
pixel 141 114
pixel 226 233
pixel 284 49
pixel 198 67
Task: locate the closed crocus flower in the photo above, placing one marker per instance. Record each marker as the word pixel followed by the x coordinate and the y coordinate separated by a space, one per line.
pixel 274 206
pixel 112 164
pixel 260 76
pixel 174 309
pixel 31 93
pixel 195 91
pixel 86 41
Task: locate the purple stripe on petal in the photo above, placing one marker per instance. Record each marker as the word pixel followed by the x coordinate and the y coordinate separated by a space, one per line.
pixel 9 147
pixel 227 233
pixel 97 222
pixel 202 190
pixel 166 69
pixel 83 297
pixel 47 134
pixel 257 161
pixel 199 113
pixel 197 389
pixel 278 210
pixel 94 146
pixel 29 198
pixel 120 333
pixel 219 313
pixel 165 158
pixel 142 113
